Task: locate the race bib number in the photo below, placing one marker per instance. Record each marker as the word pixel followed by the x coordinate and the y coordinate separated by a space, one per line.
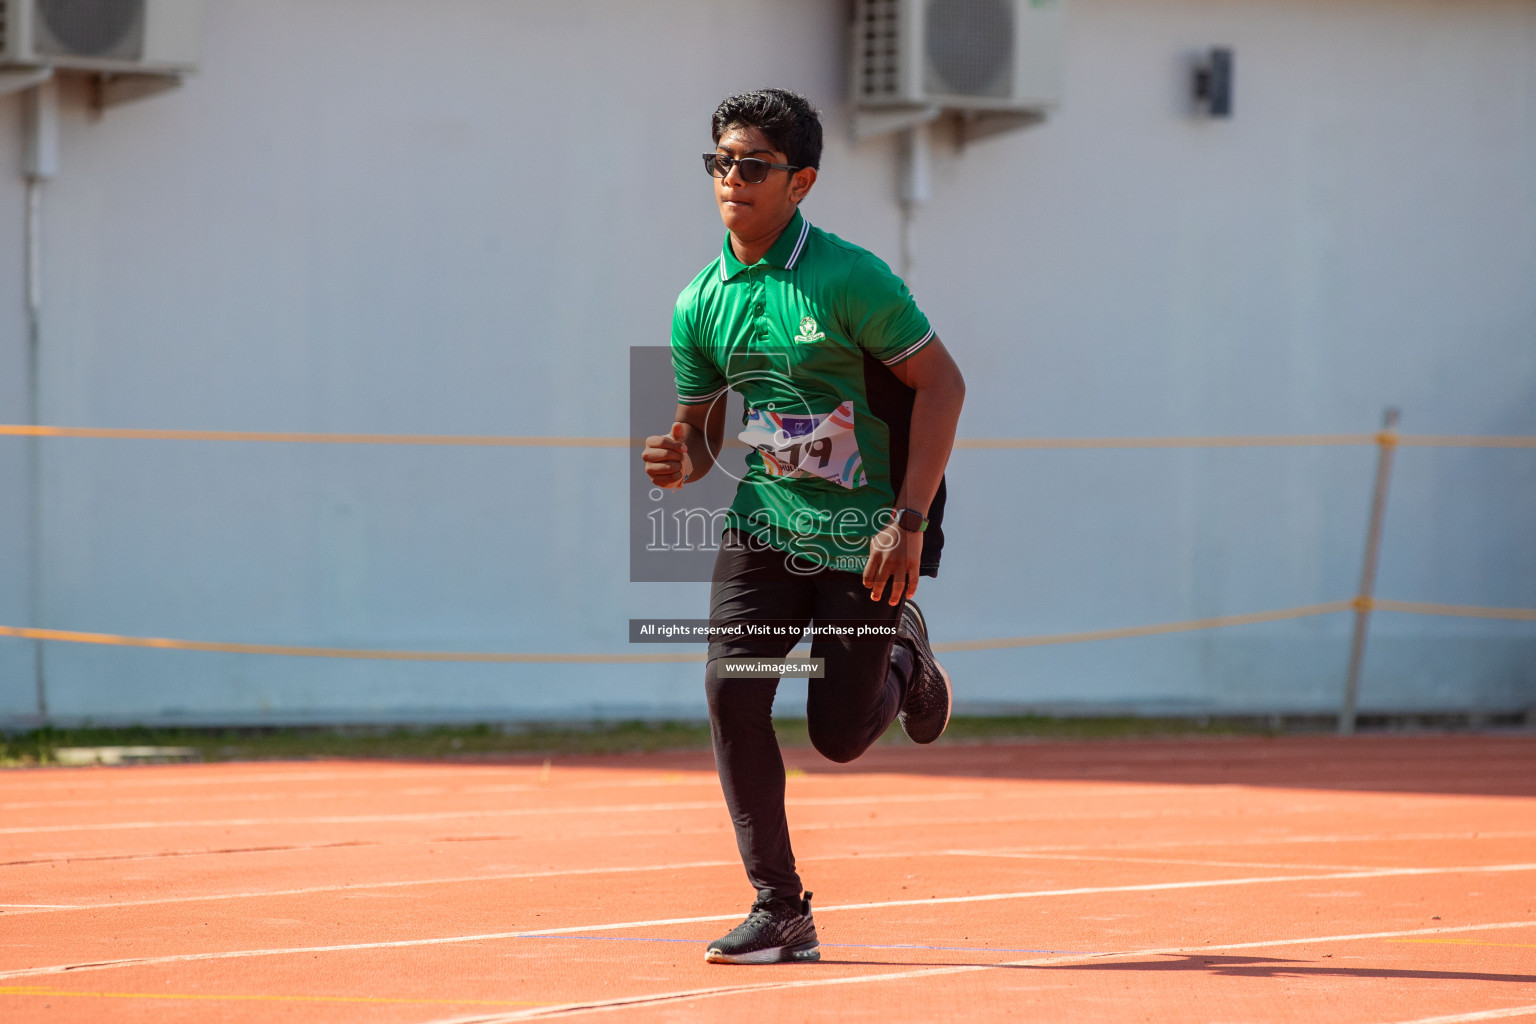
pixel 806 446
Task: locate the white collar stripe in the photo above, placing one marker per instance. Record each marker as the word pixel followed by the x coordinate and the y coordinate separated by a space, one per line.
pixel 794 257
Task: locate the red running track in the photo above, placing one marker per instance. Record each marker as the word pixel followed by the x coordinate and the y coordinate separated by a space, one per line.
pixel 1360 881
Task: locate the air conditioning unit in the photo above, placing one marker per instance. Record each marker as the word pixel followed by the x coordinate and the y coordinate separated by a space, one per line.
pixel 112 37
pixel 959 55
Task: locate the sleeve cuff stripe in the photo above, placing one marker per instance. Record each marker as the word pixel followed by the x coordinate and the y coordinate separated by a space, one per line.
pixel 696 399
pixel 910 350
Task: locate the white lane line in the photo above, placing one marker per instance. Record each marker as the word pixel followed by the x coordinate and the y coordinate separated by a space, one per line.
pixel 1362 936
pixel 1014 855
pixel 881 905
pixel 1175 844
pixel 39 906
pixel 1388 837
pixel 140 776
pixel 866 824
pixel 622 869
pixel 506 812
pixel 378 794
pixel 647 808
pixel 69 858
pixel 1213 883
pixel 93 858
pixel 603 1005
pixel 691 779
pixel 1459 1018
pixel 447 940
pixel 363 886
pixel 263 797
pixel 711 781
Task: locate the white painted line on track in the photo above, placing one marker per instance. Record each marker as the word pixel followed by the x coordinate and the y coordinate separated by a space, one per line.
pixel 447 940
pixel 90 858
pixel 1390 837
pixel 602 1005
pixel 718 805
pixel 183 799
pixel 41 908
pixel 712 781
pixel 930 901
pixel 1460 1018
pixel 364 886
pixel 245 795
pixel 84 857
pixel 505 812
pixel 1174 844
pixel 1201 884
pixel 138 776
pixel 1361 936
pixel 1014 855
pixel 693 779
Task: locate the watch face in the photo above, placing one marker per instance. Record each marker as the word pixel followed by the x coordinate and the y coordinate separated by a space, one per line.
pixel 910 520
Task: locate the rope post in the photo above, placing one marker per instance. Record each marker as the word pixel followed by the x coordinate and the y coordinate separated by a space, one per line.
pixel 1386 442
pixel 40 164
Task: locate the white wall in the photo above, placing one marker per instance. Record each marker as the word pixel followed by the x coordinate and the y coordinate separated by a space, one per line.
pixel 456 218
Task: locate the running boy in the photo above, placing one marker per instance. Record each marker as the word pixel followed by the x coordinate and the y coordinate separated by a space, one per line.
pixel 851 409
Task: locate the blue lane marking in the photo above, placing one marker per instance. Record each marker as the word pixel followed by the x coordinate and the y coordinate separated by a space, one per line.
pixel 835 945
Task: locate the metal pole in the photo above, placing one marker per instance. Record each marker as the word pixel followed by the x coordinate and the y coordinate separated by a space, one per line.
pixel 1386 442
pixel 913 180
pixel 41 163
pixel 34 444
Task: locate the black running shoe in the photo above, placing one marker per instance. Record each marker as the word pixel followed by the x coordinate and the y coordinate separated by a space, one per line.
pixel 925 712
pixel 776 931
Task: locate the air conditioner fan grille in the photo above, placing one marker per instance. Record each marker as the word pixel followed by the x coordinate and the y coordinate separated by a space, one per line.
pixel 970 47
pixel 107 29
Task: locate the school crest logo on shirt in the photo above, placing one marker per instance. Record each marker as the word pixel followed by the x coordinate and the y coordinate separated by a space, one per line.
pixel 808 332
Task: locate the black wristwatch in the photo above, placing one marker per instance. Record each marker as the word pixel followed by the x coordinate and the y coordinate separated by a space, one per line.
pixel 911 520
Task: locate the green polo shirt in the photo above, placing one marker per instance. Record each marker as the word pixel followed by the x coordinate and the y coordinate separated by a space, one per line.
pixel 794 334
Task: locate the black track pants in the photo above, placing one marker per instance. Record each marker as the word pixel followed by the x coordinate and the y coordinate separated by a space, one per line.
pixel 846 711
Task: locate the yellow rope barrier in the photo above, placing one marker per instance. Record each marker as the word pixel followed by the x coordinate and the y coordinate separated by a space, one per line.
pixel 948 647
pixel 490 657
pixel 1135 631
pixel 962 444
pixel 1250 441
pixel 495 657
pixel 1253 441
pixel 457 440
pixel 1464 441
pixel 1466 611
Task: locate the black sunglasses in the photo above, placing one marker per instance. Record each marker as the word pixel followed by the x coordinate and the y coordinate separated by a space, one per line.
pixel 753 171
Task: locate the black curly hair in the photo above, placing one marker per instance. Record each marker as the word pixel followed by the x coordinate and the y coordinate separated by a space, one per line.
pixel 787 120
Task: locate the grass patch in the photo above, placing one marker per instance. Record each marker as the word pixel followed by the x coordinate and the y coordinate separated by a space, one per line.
pixel 299 743
pixel 979 729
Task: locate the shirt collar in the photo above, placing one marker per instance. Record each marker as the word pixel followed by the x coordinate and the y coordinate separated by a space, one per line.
pixel 786 251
